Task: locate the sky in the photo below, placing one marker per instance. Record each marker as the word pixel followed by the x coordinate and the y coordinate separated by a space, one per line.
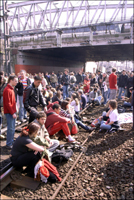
pixel 59 4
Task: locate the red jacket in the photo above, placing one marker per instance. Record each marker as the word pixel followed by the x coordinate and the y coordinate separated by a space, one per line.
pixel 9 102
pixel 112 81
pixel 51 119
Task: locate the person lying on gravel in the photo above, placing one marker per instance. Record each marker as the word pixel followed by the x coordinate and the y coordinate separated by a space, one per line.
pixel 112 122
pixel 40 120
pixel 20 156
pixel 55 123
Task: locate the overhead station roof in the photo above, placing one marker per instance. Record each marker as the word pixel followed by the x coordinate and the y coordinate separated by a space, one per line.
pixel 90 53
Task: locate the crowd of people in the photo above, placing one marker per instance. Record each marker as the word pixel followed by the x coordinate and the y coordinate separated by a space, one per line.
pixel 62 97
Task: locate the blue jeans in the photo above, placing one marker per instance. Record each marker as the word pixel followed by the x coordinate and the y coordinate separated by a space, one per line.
pixel 53 85
pixel 10 129
pixel 127 104
pixel 122 92
pixel 22 110
pixel 97 100
pixel 103 125
pixel 65 91
pixel 108 95
pixel 105 95
pixel 79 123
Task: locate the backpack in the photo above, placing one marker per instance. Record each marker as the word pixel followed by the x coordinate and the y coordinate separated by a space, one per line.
pixel 61 155
pixel 73 79
pixel 121 109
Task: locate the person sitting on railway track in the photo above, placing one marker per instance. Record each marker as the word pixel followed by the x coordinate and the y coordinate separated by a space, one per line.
pixel 83 99
pixel 67 112
pixel 33 97
pixel 20 156
pixel 94 97
pixel 40 120
pixel 55 123
pixel 127 101
pixel 75 103
pixel 112 114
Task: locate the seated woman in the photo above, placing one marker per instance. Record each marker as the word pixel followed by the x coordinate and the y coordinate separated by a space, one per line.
pixel 20 156
pixel 113 117
pixel 75 103
pixel 49 98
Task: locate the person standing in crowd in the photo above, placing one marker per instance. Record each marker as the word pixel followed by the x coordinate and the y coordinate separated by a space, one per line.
pixel 99 79
pixel 60 77
pixel 72 80
pixel 113 84
pixel 47 78
pixel 104 87
pixel 130 83
pixel 93 80
pixel 86 84
pixel 44 81
pixel 2 87
pixel 23 82
pixel 53 79
pixel 9 104
pixel 33 97
pixel 65 82
pixel 79 78
pixel 122 84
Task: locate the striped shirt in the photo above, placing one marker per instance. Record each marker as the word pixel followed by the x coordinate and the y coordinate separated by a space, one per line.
pixel 24 82
pixel 63 113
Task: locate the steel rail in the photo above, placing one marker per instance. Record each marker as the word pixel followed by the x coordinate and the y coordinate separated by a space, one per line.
pixel 5 168
pixel 5 174
pixel 69 172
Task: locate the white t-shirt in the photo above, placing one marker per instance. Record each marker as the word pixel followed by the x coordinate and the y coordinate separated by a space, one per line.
pixel 113 116
pixel 76 107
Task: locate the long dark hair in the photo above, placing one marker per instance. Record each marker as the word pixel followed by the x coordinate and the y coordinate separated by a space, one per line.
pixel 31 128
pixel 64 104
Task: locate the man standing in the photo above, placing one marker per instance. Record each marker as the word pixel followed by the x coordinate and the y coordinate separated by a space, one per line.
pixel 79 78
pixel 113 84
pixel 65 82
pixel 122 84
pixel 9 104
pixel 99 78
pixel 53 79
pixel 33 97
pixel 22 84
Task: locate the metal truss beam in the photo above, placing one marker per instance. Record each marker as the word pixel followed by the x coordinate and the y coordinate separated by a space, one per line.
pixel 49 15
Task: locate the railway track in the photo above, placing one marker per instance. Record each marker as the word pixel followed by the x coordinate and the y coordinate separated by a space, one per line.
pixel 8 169
pixel 89 175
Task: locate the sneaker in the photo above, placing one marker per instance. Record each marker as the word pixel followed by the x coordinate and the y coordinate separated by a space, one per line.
pixel 9 147
pixel 2 137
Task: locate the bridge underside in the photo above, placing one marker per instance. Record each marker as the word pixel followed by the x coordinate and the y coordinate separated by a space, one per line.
pixel 120 52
